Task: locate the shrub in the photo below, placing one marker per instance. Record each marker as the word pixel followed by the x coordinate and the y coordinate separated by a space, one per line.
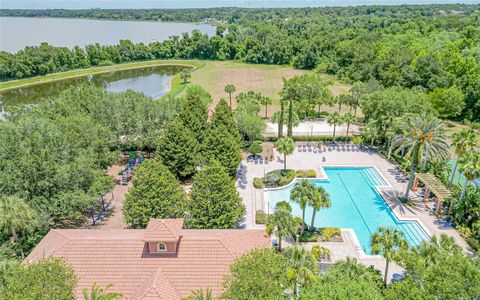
pixel 309 236
pixel 260 217
pixel 284 205
pixel 306 173
pixel 329 232
pixel 320 252
pixel 474 243
pixel 255 148
pixel 257 183
pixel 465 232
pixel 279 178
pixel 300 173
pixel 286 176
pixel 357 140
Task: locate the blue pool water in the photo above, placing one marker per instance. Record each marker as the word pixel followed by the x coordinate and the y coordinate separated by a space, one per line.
pixel 355 204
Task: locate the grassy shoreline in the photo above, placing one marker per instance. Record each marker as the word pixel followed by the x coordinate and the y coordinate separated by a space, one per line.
pixel 13 84
pixel 111 19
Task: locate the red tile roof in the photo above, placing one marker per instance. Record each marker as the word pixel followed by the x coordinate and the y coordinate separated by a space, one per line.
pixel 120 257
pixel 165 230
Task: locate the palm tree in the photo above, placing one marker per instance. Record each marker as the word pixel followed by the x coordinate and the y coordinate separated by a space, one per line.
pixel 470 167
pixel 320 199
pixel 349 118
pixel 390 132
pixel 278 118
pixel 430 251
pixel 303 193
pixel 301 267
pixel 290 118
pixel 342 99
pixel 98 293
pixel 285 146
pixel 388 241
pixel 421 135
pixel 281 117
pixel 266 101
pixel 229 89
pixel 334 119
pixel 281 223
pixel 356 94
pixel 200 295
pixel 370 132
pixel 319 102
pixel 17 217
pixel 463 141
pixel 320 253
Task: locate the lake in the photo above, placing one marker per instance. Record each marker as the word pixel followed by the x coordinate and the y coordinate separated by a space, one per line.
pixel 17 33
pixel 152 81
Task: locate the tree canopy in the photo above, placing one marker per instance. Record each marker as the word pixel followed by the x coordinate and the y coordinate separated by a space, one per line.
pixel 178 149
pixel 47 279
pixel 155 193
pixel 259 274
pixel 214 200
pixel 346 279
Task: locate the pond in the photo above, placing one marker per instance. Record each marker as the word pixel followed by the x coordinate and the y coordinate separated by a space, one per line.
pixel 152 81
pixel 16 33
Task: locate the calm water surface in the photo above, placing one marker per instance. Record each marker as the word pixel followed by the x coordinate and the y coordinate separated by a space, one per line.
pixel 16 33
pixel 152 81
pixel 355 204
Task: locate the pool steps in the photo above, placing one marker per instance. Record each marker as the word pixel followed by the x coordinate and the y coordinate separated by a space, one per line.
pixel 412 229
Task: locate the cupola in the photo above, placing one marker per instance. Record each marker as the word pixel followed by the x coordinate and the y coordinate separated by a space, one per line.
pixel 162 235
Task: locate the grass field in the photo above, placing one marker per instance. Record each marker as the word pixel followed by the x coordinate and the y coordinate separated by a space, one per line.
pixel 267 79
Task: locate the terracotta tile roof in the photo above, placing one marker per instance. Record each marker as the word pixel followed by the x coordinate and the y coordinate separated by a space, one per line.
pixel 166 230
pixel 120 257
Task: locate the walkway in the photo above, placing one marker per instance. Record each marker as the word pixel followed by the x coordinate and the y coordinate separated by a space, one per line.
pixel 317 127
pixel 114 217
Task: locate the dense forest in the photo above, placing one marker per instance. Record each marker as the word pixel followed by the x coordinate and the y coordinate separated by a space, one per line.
pixel 434 49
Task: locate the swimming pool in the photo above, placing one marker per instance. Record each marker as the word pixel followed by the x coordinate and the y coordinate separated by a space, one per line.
pixel 355 204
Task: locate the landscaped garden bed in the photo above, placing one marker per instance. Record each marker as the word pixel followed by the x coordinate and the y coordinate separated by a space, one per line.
pixel 327 234
pixel 274 179
pixel 310 173
pixel 330 234
pixel 260 217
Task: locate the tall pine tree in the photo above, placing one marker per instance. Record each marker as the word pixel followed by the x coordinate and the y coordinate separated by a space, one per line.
pixel 223 115
pixel 222 146
pixel 156 193
pixel 178 149
pixel 194 114
pixel 214 200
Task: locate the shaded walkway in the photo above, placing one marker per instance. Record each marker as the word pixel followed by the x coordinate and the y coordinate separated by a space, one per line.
pixel 114 216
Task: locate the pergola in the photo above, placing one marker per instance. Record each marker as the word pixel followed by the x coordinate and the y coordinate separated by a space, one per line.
pixel 434 185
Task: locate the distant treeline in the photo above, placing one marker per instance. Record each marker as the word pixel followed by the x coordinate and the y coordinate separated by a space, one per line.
pixel 433 48
pixel 234 15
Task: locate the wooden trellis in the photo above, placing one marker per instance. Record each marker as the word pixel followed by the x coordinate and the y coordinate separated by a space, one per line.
pixel 433 185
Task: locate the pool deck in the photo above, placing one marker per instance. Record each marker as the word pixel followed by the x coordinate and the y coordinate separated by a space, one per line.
pixel 345 156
